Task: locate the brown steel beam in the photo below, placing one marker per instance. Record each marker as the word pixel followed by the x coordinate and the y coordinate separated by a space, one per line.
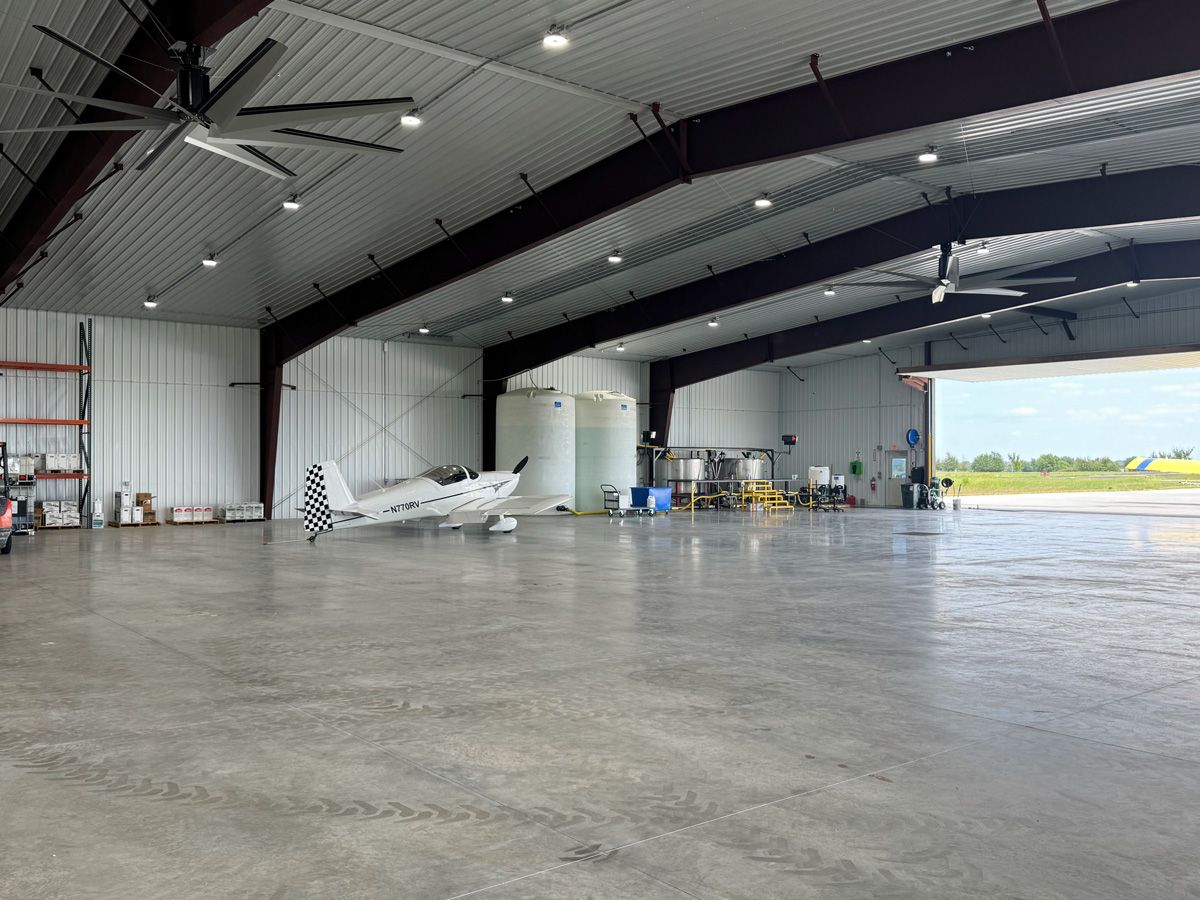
pixel 1108 46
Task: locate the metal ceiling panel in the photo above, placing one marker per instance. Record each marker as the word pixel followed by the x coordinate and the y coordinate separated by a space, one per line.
pixel 103 28
pixel 146 234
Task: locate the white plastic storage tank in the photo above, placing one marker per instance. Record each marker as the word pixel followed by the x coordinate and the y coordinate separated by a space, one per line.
pixel 538 423
pixel 605 446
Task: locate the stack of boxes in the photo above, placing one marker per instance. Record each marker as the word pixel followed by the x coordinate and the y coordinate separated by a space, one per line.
pixel 244 512
pixel 123 509
pixel 57 514
pixel 57 462
pixel 144 501
pixel 192 515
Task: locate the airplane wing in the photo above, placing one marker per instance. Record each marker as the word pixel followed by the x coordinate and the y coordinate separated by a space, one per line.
pixel 481 510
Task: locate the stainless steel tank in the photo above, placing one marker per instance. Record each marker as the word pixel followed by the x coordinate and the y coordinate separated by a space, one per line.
pixel 739 469
pixel 679 473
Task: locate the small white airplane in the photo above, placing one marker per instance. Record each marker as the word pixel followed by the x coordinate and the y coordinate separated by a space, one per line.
pixel 454 493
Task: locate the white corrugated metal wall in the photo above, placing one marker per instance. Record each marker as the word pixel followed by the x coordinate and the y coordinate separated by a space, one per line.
pixel 575 374
pixel 738 410
pixel 165 418
pixel 849 407
pixel 383 410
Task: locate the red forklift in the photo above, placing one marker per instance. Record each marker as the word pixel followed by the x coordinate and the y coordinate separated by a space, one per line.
pixel 6 504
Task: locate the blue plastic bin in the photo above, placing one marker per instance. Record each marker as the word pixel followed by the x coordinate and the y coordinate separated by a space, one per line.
pixel 638 497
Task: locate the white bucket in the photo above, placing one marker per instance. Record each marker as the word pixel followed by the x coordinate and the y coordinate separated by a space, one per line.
pixel 957 502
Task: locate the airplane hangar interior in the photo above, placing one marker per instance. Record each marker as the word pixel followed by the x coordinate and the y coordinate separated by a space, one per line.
pixel 511 449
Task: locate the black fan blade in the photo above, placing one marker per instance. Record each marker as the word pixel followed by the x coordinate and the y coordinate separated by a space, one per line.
pixel 157 150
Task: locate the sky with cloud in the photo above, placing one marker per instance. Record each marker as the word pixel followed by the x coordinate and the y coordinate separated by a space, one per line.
pixel 1121 415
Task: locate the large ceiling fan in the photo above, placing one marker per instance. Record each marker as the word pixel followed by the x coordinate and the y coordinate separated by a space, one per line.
pixel 215 118
pixel 998 282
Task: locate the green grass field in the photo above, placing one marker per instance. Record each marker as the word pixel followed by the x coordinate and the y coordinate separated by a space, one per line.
pixel 979 483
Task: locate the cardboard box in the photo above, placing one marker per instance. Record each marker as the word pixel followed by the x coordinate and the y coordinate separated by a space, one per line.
pixel 181 514
pixel 143 498
pixel 149 517
pixel 125 515
pixel 122 499
pixel 137 515
pixel 205 513
pixel 73 462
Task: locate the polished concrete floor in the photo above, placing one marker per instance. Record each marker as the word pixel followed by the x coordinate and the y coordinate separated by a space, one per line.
pixel 872 704
pixel 1177 502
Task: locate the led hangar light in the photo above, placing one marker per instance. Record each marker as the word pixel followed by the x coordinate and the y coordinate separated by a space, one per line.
pixel 555 38
pixel 929 156
pixel 506 297
pixel 615 257
pixel 763 201
pixel 424 329
pixel 292 203
pixel 209 262
pixel 412 118
pixel 713 323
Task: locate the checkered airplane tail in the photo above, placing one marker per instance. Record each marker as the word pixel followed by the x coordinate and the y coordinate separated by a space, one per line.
pixel 324 491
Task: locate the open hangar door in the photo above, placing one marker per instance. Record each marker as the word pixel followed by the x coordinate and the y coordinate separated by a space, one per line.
pixel 1093 430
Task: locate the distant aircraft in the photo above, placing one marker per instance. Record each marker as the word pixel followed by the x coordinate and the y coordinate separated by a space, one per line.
pixel 1161 465
pixel 454 493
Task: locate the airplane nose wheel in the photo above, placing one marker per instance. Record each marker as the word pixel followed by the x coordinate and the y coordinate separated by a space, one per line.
pixel 504 525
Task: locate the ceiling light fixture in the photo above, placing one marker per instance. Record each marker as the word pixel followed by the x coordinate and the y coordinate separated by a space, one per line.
pixel 1133 283
pixel 412 118
pixel 829 291
pixel 929 156
pixel 986 316
pixel 620 348
pixel 506 297
pixel 615 257
pixel 424 329
pixel 713 323
pixel 763 202
pixel 291 204
pixel 983 249
pixel 556 38
pixel 209 262
pixel 866 340
pixel 150 303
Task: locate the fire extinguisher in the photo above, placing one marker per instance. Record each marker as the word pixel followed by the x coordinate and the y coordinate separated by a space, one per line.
pixel 872 484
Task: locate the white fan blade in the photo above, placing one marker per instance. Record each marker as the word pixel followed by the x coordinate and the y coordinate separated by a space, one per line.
pixel 99 60
pixel 115 125
pixel 995 292
pixel 294 138
pixel 148 112
pixel 234 92
pixel 266 118
pixel 993 275
pixel 1015 282
pixel 199 138
pixel 918 279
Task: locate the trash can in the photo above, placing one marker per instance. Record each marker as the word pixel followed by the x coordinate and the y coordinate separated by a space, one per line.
pixel 908 494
